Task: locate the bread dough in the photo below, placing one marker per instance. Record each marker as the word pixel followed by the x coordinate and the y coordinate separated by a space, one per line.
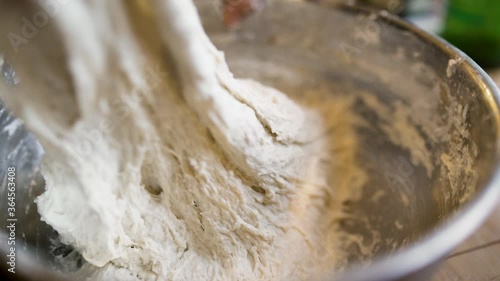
pixel 160 165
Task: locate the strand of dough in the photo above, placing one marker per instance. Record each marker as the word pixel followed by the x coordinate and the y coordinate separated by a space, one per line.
pixel 193 177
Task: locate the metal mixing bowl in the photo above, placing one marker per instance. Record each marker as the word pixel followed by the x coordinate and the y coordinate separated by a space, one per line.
pixel 349 50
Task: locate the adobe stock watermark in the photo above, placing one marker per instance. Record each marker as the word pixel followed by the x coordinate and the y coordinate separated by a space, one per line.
pixel 368 32
pixel 120 108
pixel 11 219
pixel 31 26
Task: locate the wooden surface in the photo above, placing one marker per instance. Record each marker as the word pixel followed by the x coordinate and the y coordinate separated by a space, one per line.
pixel 478 258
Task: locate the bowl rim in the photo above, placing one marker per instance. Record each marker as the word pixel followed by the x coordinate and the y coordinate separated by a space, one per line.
pixel 467 218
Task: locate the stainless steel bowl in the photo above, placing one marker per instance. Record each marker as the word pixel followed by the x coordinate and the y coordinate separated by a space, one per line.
pixel 350 50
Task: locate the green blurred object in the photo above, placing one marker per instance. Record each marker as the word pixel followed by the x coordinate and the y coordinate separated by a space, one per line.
pixel 474 27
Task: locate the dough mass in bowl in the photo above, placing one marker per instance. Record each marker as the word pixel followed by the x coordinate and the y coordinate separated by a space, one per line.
pixel 160 165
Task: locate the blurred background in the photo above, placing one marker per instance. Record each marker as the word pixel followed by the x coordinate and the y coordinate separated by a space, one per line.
pixel 471 25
